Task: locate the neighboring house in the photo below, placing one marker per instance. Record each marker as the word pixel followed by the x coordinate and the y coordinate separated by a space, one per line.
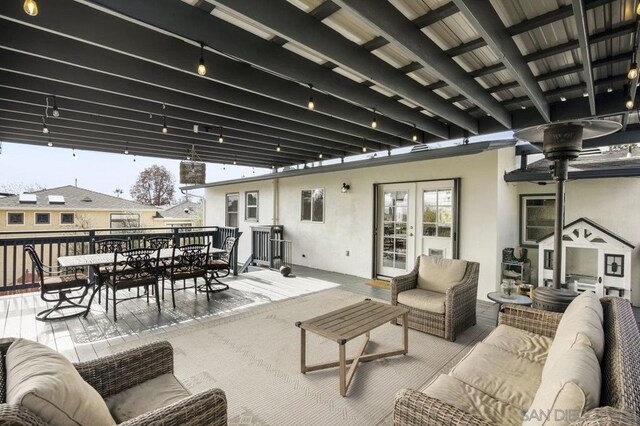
pixel 457 202
pixel 182 215
pixel 70 207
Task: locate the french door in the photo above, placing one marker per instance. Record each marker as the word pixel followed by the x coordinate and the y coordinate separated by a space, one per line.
pixel 415 218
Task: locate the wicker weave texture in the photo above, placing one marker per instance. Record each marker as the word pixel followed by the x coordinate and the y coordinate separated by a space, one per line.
pixel 530 319
pixel 460 305
pixel 115 373
pixel 415 408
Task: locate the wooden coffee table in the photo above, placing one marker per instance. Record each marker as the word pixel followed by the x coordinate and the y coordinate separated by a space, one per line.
pixel 345 324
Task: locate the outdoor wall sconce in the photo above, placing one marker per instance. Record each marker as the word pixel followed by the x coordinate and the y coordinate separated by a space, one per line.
pixel 345 188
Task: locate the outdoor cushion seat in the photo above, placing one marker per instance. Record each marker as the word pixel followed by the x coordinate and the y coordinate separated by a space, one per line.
pixel 47 384
pixel 526 344
pixel 505 376
pixel 151 395
pixel 217 264
pixel 424 300
pixel 471 400
pixel 438 274
pixel 65 281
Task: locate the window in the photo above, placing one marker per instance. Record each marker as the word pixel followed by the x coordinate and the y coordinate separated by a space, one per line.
pixel 232 210
pixel 437 213
pixel 537 217
pixel 42 218
pixel 124 220
pixel 67 218
pixel 312 205
pixel 251 205
pixel 548 260
pixel 614 265
pixel 15 218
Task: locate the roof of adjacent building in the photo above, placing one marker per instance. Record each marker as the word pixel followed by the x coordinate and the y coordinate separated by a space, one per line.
pixel 183 210
pixel 606 164
pixel 74 199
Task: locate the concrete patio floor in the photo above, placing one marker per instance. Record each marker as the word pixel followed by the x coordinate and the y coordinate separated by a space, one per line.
pixel 83 339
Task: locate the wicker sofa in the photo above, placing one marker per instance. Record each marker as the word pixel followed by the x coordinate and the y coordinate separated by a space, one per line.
pixel 122 374
pixel 440 295
pixel 611 396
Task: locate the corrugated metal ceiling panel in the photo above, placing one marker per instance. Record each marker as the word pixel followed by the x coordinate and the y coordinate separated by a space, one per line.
pixel 235 18
pixel 413 9
pixel 393 55
pixel 350 26
pixel 306 5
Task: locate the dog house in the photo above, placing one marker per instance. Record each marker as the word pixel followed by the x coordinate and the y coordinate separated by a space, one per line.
pixel 594 258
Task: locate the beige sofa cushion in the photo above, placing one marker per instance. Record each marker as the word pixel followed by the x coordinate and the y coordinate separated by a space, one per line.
pixel 470 400
pixel 438 274
pixel 153 394
pixel 574 323
pixel 586 299
pixel 47 384
pixel 571 388
pixel 423 299
pixel 531 346
pixel 506 377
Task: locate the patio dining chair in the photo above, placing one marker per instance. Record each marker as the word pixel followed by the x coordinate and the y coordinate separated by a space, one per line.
pixel 219 266
pixel 107 245
pixel 133 268
pixel 66 291
pixel 187 261
pixel 157 242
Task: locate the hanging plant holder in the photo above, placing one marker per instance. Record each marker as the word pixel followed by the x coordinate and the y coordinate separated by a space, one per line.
pixel 193 172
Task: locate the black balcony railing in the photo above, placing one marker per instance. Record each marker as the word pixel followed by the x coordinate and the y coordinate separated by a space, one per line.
pixel 16 270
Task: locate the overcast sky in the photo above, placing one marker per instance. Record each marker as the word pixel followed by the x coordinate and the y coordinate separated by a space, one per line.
pixel 102 172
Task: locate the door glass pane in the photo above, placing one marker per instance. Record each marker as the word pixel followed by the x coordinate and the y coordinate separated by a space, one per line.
pixel 401 262
pixel 444 231
pixel 401 245
pixel 429 230
pixel 318 205
pixel 387 260
pixel 437 213
pixel 401 229
pixel 394 243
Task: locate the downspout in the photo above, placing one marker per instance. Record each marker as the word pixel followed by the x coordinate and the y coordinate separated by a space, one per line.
pixel 276 201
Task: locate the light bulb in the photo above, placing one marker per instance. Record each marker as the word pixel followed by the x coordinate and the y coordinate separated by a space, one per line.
pixel 30 7
pixel 221 139
pixel 311 104
pixel 563 99
pixel 633 71
pixel 45 129
pixel 134 158
pixel 202 68
pixel 126 152
pixel 629 104
pixel 320 156
pixel 414 135
pixel 74 155
pixel 374 123
pixel 278 148
pixel 50 143
pixel 364 149
pixel 235 162
pixel 165 129
pixel 273 166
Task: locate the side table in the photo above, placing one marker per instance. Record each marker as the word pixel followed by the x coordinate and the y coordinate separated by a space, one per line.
pixel 500 299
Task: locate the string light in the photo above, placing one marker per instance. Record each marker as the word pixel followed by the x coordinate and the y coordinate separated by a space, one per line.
pixel 49 143
pixel 278 148
pixel 633 71
pixel 374 122
pixel 629 103
pixel 364 148
pixel 220 138
pixel 320 156
pixel 134 158
pixel 126 149
pixel 30 7
pixel 74 154
pixel 56 111
pixel 165 129
pixel 414 135
pixel 563 99
pixel 273 166
pixel 45 129
pixel 234 162
pixel 202 68
pixel 311 105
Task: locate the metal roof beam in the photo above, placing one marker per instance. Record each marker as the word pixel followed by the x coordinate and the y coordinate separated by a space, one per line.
pixel 292 23
pixel 585 50
pixel 387 19
pixel 436 15
pixel 186 21
pixel 324 10
pixel 486 22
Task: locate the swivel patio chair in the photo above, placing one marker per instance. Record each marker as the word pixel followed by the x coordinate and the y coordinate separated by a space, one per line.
pixel 66 291
pixel 133 268
pixel 440 295
pixel 187 262
pixel 219 266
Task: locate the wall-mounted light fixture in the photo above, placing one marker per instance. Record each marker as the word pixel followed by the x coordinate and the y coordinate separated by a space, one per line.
pixel 345 188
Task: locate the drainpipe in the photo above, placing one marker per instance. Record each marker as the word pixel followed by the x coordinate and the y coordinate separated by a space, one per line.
pixel 276 201
pixel 204 204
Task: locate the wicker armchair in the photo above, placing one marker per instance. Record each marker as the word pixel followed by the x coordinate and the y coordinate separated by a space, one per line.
pixel 115 373
pixel 460 304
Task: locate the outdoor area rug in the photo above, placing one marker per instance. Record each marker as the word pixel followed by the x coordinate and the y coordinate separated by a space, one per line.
pixel 254 357
pixel 379 283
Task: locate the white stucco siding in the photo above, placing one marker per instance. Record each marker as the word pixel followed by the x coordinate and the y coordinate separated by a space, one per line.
pixel 485 201
pixel 613 203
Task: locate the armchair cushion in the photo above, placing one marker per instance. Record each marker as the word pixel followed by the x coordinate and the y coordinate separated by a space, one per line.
pixel 46 383
pixel 146 397
pixel 454 392
pixel 438 274
pixel 424 300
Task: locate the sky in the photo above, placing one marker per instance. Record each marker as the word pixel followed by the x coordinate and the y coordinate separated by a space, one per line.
pixel 51 167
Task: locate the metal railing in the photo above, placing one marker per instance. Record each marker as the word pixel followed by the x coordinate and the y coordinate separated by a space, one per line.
pixel 265 248
pixel 16 270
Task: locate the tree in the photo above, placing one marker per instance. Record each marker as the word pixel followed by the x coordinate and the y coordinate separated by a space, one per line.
pixel 155 186
pixel 20 187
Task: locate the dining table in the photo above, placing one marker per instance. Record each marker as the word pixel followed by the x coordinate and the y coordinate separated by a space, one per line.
pixel 96 260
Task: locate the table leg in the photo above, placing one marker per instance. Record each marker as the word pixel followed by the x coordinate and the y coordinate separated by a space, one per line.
pixel 405 330
pixel 498 314
pixel 97 286
pixel 343 370
pixel 303 351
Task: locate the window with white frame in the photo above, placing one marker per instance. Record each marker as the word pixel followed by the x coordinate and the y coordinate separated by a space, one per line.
pixel 125 220
pixel 231 218
pixel 251 206
pixel 537 217
pixel 15 218
pixel 67 218
pixel 312 205
pixel 42 218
